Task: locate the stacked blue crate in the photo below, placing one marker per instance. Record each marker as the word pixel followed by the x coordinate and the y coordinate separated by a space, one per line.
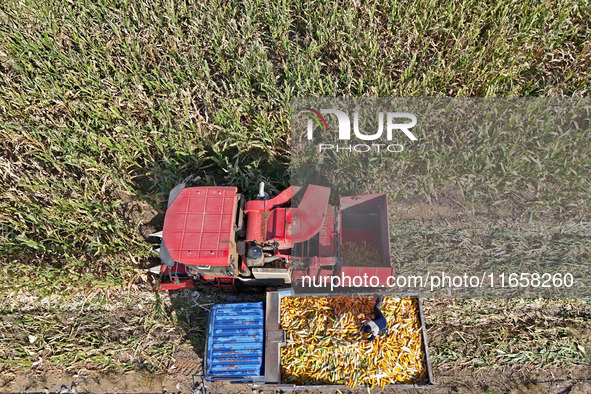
pixel 235 340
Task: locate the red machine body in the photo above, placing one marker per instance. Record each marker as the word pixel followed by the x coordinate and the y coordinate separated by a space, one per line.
pixel 199 225
pixel 211 234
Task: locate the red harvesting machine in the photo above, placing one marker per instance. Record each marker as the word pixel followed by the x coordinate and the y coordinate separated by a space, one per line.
pixel 211 234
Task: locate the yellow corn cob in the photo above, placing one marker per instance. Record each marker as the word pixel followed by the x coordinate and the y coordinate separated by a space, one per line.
pixel 324 345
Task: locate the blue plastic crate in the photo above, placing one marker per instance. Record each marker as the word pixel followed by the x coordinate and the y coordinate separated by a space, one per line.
pixel 235 340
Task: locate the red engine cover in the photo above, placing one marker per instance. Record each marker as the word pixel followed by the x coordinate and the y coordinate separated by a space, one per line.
pixel 199 225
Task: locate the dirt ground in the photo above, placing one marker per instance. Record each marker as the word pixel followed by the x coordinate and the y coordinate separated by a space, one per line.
pixel 576 380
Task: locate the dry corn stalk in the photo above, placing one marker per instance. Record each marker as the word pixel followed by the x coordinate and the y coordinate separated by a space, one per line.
pixel 360 255
pixel 324 345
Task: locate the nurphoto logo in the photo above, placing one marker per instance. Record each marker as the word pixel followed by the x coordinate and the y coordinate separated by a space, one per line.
pixel 393 126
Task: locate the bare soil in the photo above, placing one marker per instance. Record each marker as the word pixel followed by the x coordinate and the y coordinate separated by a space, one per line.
pixel 518 379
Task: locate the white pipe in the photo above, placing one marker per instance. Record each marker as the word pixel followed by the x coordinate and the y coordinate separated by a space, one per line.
pixel 261 190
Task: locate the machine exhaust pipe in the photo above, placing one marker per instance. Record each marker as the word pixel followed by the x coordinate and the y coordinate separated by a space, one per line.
pixel 262 195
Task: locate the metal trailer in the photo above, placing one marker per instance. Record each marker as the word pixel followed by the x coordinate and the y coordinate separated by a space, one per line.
pixel 243 344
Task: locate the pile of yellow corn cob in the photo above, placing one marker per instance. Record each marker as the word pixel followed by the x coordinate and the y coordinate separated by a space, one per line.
pixel 324 345
pixel 360 255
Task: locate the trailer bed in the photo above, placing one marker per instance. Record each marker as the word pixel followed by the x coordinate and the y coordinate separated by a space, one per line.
pixel 236 342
